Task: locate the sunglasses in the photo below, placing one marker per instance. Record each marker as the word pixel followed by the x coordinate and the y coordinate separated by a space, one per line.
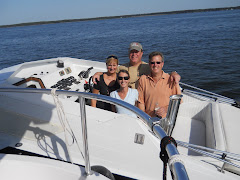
pixel 158 62
pixel 125 78
pixel 109 57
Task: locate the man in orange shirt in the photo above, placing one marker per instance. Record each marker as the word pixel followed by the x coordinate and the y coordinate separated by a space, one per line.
pixel 156 88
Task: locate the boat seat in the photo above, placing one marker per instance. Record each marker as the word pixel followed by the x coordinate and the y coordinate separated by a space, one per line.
pixel 198 123
pixel 206 124
pixel 230 125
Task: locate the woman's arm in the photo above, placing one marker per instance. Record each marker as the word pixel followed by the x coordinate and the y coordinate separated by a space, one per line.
pixel 113 108
pixel 93 101
pixel 96 77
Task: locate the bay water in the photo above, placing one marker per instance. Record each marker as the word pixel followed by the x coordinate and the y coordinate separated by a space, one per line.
pixel 203 47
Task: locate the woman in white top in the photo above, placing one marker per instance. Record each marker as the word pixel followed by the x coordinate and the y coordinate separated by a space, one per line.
pixel 124 93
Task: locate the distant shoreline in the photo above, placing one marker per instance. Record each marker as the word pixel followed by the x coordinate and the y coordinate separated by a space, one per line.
pixel 123 16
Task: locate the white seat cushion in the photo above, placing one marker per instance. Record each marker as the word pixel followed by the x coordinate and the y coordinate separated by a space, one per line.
pixel 191 131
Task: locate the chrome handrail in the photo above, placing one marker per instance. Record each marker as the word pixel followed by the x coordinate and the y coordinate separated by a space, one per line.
pixel 177 168
pixel 168 122
pixel 172 112
pixel 84 132
pixel 228 157
pixel 207 94
pixel 185 144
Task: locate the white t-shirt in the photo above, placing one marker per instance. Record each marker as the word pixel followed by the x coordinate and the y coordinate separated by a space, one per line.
pixel 131 98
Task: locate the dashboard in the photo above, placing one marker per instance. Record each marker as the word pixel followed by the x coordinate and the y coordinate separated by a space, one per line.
pixel 49 75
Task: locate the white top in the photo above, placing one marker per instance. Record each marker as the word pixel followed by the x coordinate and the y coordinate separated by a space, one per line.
pixel 131 98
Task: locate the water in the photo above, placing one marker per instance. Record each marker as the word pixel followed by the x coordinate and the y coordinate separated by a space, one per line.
pixel 204 47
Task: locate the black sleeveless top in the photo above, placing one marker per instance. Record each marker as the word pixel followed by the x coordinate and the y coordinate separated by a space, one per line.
pixel 104 89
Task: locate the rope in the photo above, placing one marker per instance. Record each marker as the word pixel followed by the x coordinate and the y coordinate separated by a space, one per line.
pixel 64 122
pixel 163 154
pixel 175 158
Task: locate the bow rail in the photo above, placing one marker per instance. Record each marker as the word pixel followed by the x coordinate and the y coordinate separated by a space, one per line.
pixel 177 168
pixel 204 94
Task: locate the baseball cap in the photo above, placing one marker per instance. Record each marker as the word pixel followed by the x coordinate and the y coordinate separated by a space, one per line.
pixel 135 45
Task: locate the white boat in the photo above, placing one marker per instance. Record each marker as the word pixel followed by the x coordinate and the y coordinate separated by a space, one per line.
pixel 48 130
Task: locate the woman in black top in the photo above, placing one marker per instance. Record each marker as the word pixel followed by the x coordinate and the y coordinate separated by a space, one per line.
pixel 107 83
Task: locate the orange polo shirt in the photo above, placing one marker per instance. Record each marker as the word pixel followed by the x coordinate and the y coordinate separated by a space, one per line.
pixel 151 93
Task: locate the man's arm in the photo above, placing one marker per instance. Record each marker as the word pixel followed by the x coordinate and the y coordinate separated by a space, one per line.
pixel 141 106
pixel 140 89
pixel 178 91
pixel 162 111
pixel 96 76
pixel 174 76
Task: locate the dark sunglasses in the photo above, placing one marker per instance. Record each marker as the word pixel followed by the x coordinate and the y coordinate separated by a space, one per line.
pixel 158 62
pixel 109 57
pixel 125 78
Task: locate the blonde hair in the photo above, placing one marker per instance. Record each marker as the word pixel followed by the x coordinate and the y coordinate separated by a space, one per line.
pixel 111 58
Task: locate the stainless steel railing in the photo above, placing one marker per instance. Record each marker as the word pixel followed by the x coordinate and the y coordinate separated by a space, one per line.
pixel 168 123
pixel 224 156
pixel 201 94
pixel 177 168
pixel 84 134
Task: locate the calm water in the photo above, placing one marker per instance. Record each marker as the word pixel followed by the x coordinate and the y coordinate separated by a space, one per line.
pixel 204 48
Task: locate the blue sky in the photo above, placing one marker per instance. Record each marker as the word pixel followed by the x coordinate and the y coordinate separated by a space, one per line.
pixel 21 11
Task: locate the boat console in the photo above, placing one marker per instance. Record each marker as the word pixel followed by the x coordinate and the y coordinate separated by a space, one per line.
pixel 66 84
pixel 60 73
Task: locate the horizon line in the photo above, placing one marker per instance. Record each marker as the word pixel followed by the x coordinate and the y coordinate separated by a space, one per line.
pixel 120 16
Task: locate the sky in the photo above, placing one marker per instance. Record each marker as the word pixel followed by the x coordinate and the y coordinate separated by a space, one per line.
pixel 23 11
